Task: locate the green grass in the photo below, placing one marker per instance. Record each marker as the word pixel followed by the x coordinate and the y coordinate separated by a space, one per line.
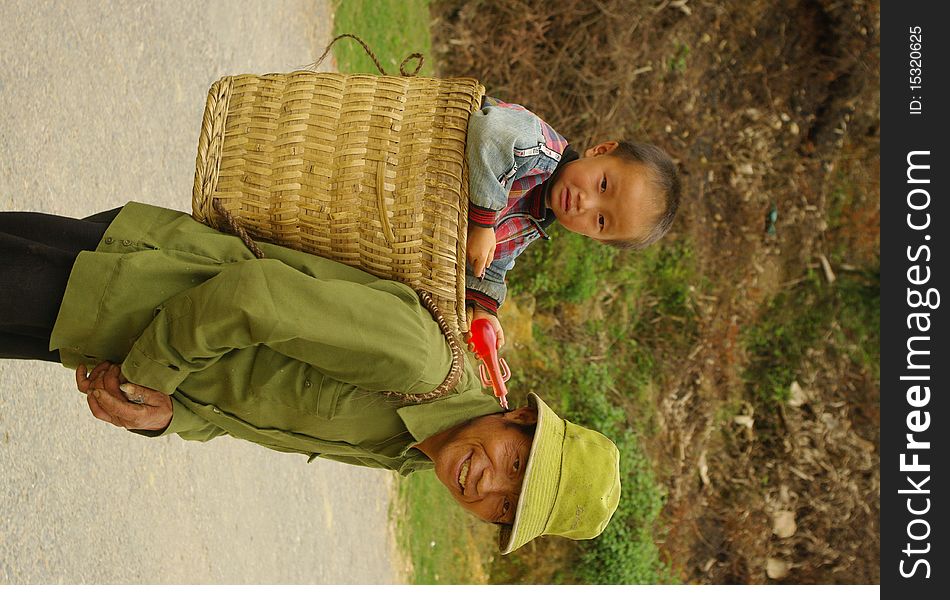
pixel 568 268
pixel 446 544
pixel 651 318
pixel 393 29
pixel 843 317
pixel 678 63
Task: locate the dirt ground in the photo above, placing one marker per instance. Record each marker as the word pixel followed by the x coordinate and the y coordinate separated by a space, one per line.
pixel 763 105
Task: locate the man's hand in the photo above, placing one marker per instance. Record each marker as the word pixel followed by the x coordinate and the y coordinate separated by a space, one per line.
pixel 113 400
pixel 480 248
pixel 478 313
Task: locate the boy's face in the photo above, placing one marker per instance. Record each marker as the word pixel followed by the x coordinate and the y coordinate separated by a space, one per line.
pixel 605 197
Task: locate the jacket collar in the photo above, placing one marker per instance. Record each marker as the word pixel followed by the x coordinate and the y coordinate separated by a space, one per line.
pixel 425 420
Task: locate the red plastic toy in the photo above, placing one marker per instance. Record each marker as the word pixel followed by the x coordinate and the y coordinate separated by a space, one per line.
pixel 493 370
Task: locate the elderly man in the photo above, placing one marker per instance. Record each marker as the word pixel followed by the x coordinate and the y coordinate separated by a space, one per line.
pixel 293 352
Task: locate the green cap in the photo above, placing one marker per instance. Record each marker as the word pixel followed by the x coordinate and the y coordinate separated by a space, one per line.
pixel 571 484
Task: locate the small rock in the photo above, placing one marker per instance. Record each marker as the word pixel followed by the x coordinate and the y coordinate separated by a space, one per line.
pixel 776 568
pixel 783 524
pixel 796 395
pixel 793 128
pixel 744 420
pixel 745 169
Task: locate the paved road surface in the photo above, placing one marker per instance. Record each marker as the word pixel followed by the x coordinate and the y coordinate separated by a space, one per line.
pixel 100 103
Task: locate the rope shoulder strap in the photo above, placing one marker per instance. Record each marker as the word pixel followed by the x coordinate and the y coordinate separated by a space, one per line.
pixel 402 66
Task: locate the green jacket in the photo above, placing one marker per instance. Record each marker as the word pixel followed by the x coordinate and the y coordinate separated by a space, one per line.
pixel 289 352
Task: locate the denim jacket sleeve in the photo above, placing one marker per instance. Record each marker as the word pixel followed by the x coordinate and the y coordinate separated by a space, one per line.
pixel 489 293
pixel 499 150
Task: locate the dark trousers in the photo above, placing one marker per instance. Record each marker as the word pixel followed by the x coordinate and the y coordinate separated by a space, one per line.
pixel 37 252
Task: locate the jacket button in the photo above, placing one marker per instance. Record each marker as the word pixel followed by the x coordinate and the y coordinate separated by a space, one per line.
pixel 108 240
pixel 126 242
pixel 307 383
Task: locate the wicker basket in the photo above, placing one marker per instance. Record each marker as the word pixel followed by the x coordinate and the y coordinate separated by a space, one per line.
pixel 365 170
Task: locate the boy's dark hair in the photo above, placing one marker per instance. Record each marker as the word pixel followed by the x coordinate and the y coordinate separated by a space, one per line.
pixel 666 181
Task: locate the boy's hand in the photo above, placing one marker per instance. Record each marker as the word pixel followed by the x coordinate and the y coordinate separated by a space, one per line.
pixel 480 248
pixel 495 323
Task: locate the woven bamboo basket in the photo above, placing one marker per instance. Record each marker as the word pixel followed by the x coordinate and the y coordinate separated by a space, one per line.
pixel 365 170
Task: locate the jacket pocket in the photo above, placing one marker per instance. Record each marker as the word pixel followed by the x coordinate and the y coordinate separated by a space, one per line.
pixel 291 387
pixel 327 394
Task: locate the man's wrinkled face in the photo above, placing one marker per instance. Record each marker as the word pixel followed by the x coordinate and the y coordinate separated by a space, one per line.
pixel 482 464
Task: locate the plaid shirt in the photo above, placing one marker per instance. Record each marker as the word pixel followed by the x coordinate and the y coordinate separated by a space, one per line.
pixel 511 155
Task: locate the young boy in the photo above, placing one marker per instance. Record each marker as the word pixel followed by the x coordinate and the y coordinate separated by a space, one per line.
pixel 523 176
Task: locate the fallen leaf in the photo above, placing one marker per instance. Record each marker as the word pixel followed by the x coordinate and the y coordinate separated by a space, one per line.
pixel 783 524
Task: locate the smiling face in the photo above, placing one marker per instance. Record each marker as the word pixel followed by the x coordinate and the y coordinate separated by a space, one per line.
pixel 605 197
pixel 482 462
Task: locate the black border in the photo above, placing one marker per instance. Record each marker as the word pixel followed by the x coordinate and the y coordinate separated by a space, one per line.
pixel 901 133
